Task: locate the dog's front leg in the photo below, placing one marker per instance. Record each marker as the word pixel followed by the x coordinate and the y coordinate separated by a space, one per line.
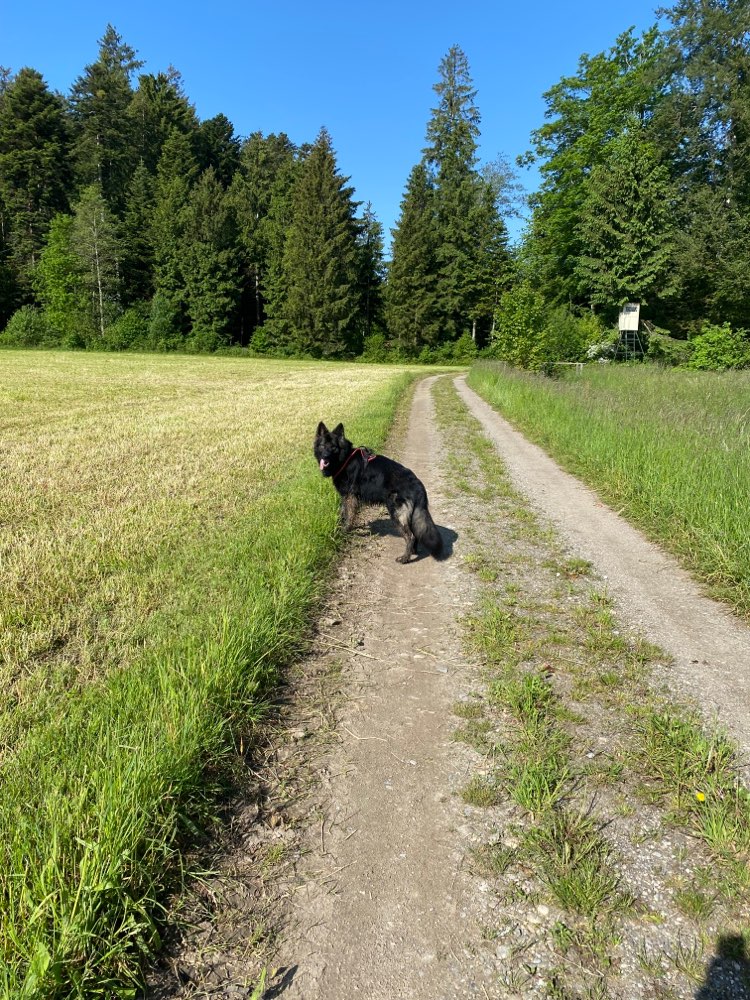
pixel 349 508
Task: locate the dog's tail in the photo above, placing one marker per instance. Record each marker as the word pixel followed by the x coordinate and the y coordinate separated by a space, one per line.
pixel 426 532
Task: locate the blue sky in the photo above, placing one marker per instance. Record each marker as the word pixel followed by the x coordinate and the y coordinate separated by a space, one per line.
pixel 364 70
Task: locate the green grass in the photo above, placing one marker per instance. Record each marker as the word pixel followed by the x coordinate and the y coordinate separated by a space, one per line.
pixel 164 539
pixel 480 791
pixel 576 863
pixel 697 772
pixel 670 449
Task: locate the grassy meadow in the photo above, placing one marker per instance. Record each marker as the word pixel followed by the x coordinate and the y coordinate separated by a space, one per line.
pixel 669 449
pixel 164 533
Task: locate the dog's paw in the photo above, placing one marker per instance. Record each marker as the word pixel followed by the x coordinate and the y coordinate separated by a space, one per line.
pixel 404 559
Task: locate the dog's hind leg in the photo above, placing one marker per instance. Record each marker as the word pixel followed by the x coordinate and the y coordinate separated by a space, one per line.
pixel 401 511
pixel 349 508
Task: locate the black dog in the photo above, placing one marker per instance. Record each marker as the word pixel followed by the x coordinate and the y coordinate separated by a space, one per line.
pixel 360 476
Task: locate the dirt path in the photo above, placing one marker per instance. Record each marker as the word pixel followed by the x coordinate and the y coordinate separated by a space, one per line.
pixel 387 922
pixel 653 594
pixel 357 843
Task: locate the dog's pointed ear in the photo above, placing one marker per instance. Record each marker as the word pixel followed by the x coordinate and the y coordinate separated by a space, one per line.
pixel 322 429
pixel 338 431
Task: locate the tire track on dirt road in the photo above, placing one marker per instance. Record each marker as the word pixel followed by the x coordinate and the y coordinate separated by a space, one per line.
pixel 653 593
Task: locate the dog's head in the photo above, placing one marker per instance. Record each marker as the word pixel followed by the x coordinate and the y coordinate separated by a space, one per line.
pixel 330 448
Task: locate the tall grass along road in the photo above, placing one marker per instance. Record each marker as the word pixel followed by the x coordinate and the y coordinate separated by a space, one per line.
pixel 162 536
pixel 669 449
pixel 709 646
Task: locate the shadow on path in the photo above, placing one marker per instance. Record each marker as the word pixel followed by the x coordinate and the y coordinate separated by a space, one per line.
pixel 728 972
pixel 285 978
pixel 385 528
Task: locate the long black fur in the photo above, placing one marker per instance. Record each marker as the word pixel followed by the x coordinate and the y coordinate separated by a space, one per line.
pixel 373 479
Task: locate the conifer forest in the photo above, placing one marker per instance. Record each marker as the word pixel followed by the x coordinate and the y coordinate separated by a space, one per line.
pixel 128 223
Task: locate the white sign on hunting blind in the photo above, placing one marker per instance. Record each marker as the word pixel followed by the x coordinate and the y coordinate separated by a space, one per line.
pixel 630 316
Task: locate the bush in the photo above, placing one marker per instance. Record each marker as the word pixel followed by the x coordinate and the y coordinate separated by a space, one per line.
pixel 565 337
pixel 131 330
pixel 456 352
pixel 530 334
pixel 164 325
pixel 605 349
pixel 720 347
pixel 666 350
pixel 28 327
pixel 464 350
pixel 519 322
pixel 376 348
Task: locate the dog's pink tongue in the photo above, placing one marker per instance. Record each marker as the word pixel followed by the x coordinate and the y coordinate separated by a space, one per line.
pixel 323 464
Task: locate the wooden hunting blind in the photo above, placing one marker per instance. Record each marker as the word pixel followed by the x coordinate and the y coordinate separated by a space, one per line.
pixel 630 344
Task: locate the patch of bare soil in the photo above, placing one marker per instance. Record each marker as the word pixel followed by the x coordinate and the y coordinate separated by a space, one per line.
pixel 362 860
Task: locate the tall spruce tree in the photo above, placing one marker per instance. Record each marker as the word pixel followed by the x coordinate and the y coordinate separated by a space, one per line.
pixel 316 314
pixel 274 335
pixel 218 147
pixel 451 155
pixel 137 238
pixel 488 270
pixel 412 313
pixel 452 213
pixel 370 276
pixel 627 227
pixel 158 106
pixel 104 146
pixel 265 172
pixel 209 264
pixel 175 176
pixel 34 170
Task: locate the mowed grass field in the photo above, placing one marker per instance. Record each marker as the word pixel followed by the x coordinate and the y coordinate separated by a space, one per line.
pixel 164 533
pixel 669 449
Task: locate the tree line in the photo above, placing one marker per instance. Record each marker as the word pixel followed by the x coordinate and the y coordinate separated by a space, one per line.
pixel 125 221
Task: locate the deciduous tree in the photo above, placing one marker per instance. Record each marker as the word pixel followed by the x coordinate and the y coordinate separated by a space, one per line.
pixel 59 284
pixel 585 112
pixel 96 243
